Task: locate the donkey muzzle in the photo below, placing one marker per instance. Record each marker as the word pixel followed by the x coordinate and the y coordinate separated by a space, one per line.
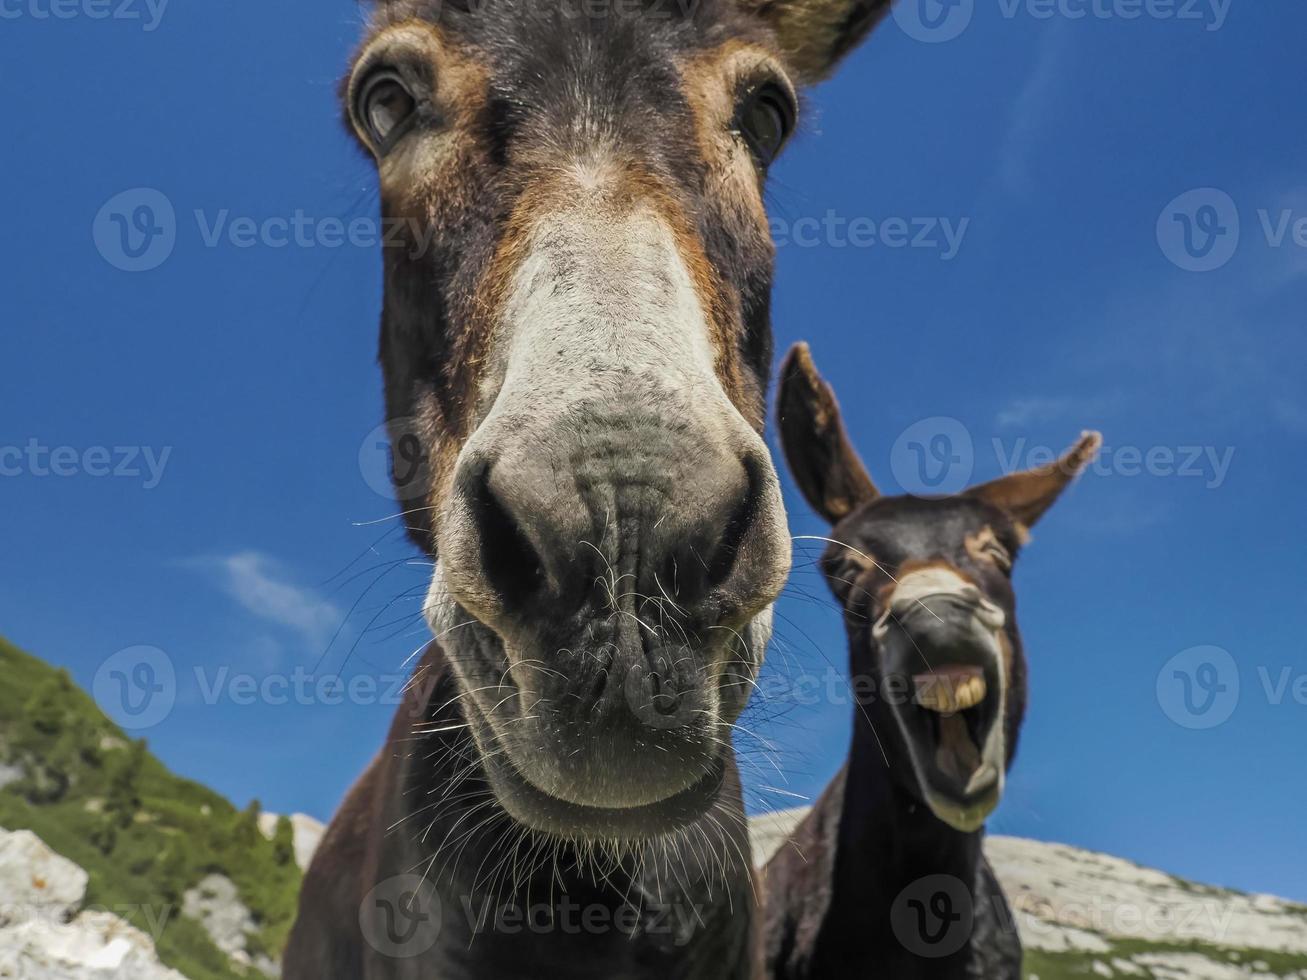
pixel 618 568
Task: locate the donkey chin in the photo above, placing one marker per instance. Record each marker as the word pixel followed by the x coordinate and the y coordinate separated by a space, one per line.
pixel 950 640
pixel 608 734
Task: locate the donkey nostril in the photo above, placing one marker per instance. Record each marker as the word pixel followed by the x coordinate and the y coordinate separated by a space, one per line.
pixel 664 698
pixel 659 698
pixel 510 563
pixel 742 518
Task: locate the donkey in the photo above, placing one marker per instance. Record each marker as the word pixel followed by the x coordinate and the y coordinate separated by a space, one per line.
pixel 886 877
pixel 576 337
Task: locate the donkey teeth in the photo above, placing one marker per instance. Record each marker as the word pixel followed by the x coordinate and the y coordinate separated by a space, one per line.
pixel 948 694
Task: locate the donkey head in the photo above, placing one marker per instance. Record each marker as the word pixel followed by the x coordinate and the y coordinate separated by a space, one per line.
pixel 576 343
pixel 926 585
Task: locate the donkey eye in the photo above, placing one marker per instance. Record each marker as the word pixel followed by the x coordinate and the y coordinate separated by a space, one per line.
pixel 385 108
pixel 765 120
pixel 999 555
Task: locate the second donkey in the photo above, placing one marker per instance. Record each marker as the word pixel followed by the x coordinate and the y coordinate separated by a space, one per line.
pixel 886 877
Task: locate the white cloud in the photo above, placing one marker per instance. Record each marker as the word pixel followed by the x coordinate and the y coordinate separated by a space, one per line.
pixel 1023 413
pixel 255 581
pixel 1292 414
pixel 1029 110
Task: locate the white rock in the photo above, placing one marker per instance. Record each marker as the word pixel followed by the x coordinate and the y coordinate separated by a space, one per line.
pixel 40 892
pixel 94 946
pixel 768 831
pixel 307 834
pixel 1193 966
pixel 1115 898
pixel 35 882
pixel 1051 937
pixel 10 773
pixel 215 904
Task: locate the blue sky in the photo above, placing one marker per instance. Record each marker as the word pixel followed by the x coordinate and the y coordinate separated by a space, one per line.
pixel 244 535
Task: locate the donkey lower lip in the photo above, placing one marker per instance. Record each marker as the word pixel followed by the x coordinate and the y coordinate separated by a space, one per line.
pixel 574 759
pixel 546 813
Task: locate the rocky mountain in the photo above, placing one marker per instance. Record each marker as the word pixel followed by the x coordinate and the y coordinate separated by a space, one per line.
pixel 166 866
pixel 47 933
pixel 1082 914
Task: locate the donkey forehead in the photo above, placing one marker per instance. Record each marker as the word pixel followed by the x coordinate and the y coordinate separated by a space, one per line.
pixel 617 65
pixel 900 529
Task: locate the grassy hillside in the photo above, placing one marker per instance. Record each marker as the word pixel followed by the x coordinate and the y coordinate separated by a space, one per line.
pixel 143 834
pixel 1164 961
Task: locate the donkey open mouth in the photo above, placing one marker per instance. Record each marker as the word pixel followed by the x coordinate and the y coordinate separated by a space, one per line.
pixel 943 634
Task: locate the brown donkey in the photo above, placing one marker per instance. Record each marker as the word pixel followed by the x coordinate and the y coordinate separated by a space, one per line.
pixel 577 337
pixel 886 878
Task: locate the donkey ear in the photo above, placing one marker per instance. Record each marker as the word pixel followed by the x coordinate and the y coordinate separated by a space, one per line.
pixel 816 34
pixel 1027 495
pixel 824 463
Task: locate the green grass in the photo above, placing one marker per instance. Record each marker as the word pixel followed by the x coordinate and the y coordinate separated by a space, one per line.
pixel 1076 965
pixel 143 834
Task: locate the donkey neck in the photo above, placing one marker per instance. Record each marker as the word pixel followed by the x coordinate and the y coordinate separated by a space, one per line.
pixel 886 823
pixel 886 842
